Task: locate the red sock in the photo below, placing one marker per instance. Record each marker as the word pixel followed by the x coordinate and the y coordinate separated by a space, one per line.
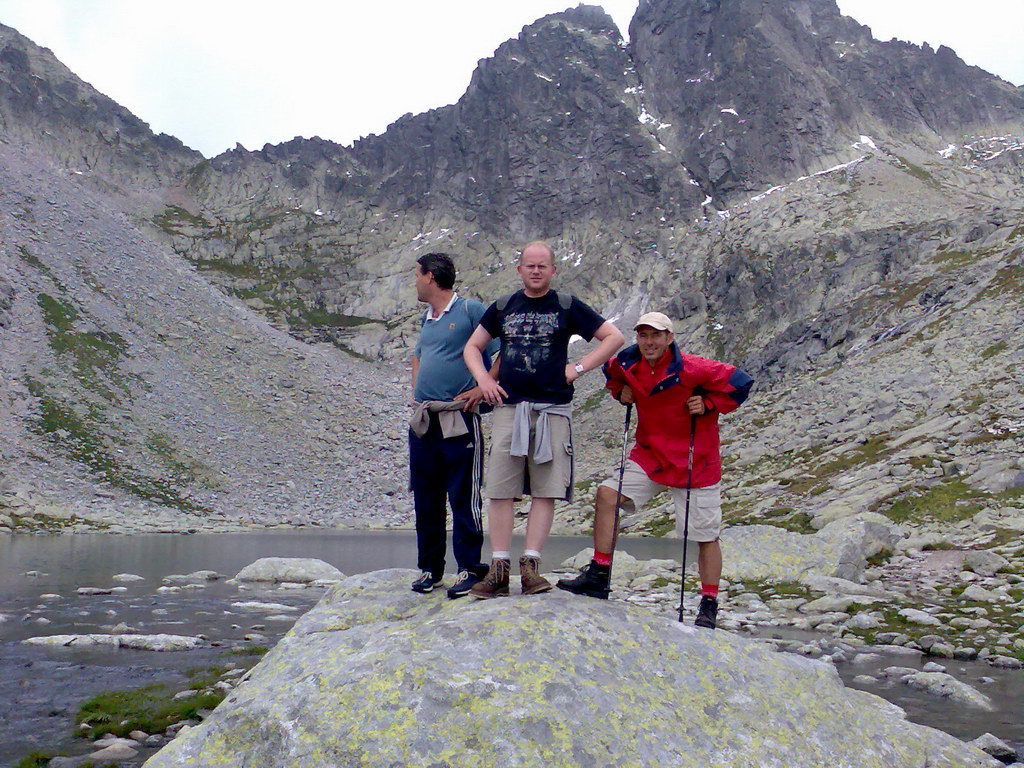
pixel 602 558
pixel 710 590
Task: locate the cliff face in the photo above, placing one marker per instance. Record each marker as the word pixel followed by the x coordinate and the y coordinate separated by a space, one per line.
pixel 760 91
pixel 547 132
pixel 43 103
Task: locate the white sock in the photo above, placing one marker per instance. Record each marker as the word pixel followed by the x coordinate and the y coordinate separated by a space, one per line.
pixel 531 553
pixel 501 556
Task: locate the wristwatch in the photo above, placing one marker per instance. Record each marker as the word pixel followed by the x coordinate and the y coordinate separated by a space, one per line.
pixel 579 368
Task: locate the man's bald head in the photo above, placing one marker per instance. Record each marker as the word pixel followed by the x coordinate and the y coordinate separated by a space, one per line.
pixel 537 248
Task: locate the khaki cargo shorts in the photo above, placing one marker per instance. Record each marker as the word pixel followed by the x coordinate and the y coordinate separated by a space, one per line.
pixel 705 503
pixel 512 477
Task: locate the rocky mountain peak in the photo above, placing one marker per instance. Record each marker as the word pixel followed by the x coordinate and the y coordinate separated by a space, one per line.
pixel 47 105
pixel 759 91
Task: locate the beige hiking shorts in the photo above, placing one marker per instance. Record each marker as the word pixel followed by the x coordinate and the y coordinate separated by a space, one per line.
pixel 512 477
pixel 705 503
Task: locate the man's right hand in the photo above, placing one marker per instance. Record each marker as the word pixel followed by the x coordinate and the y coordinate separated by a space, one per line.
pixel 492 391
pixel 626 395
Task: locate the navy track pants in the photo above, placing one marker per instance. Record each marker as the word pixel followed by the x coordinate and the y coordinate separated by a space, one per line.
pixel 448 470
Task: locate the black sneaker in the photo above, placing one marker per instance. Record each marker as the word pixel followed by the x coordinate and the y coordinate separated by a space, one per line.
pixel 425 583
pixel 593 581
pixel 463 583
pixel 707 613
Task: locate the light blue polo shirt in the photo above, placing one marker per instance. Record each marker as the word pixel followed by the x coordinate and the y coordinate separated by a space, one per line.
pixel 443 373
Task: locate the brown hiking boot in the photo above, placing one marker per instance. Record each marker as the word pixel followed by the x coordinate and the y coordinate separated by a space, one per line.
pixel 529 571
pixel 495 583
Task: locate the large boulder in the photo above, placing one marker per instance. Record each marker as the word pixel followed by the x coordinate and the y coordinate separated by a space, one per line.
pixel 376 675
pixel 840 549
pixel 300 570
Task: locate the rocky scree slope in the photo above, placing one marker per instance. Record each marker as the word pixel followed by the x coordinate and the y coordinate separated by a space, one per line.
pixel 135 396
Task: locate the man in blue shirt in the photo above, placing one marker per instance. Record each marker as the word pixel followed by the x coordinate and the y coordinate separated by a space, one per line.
pixel 446 447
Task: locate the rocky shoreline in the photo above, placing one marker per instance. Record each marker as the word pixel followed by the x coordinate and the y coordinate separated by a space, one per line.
pixel 967 608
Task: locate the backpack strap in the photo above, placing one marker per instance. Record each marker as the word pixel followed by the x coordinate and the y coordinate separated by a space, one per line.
pixel 502 302
pixel 564 301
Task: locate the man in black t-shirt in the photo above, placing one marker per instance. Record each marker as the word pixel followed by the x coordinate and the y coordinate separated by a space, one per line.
pixel 531 434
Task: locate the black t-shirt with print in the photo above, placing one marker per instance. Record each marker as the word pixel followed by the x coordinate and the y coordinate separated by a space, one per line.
pixel 534 337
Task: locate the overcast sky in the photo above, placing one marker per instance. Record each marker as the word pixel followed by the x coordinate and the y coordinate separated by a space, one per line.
pixel 216 72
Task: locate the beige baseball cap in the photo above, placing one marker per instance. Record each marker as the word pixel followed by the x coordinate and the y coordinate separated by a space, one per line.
pixel 655 320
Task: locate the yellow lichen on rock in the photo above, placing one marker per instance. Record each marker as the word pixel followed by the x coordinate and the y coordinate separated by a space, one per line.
pixel 377 676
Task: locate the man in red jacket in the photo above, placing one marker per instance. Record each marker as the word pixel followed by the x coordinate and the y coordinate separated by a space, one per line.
pixel 668 388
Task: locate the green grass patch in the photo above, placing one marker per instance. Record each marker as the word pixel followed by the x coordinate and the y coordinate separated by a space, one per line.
pixel 949 501
pixel 249 650
pixel 797 522
pixel 319 318
pixel 814 481
pixel 659 526
pixel 246 271
pixel 592 401
pixel 94 355
pixel 151 708
pixel 174 218
pixel 879 557
pixel 205 677
pixel 661 581
pixel 767 590
pixel 917 172
pixel 1008 279
pixel 993 350
pixel 950 260
pixel 80 438
pixel 182 469
pixel 29 258
pixel 35 760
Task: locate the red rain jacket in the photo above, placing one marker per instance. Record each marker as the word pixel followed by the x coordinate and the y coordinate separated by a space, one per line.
pixel 663 420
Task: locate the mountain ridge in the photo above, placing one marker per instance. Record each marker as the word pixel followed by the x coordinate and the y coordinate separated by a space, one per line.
pixel 823 244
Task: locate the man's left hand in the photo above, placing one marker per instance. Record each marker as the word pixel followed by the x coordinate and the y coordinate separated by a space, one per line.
pixel 696 405
pixel 570 373
pixel 470 399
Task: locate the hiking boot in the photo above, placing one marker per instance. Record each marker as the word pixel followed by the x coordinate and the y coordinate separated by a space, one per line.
pixel 593 581
pixel 529 572
pixel 707 613
pixel 425 583
pixel 463 583
pixel 495 583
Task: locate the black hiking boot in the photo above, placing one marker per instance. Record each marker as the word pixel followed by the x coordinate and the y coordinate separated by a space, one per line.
pixel 593 581
pixel 465 581
pixel 707 613
pixel 425 583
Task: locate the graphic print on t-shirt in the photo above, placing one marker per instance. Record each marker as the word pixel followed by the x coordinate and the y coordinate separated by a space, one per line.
pixel 528 339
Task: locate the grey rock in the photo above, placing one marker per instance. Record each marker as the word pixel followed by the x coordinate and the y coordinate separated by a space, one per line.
pixel 947 686
pixel 998 748
pixel 363 636
pixel 114 753
pixel 158 642
pixel 975 592
pixel 984 562
pixel 288 569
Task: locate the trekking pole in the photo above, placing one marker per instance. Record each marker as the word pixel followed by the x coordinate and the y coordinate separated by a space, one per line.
pixel 686 515
pixel 618 494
